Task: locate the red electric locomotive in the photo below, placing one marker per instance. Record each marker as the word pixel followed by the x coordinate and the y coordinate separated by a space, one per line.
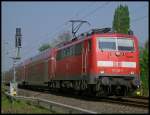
pixel 104 62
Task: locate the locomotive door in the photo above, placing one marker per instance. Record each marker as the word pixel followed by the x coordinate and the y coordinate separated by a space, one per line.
pixel 85 58
pixel 53 64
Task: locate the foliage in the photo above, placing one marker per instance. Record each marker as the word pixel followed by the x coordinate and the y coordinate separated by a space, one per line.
pixel 15 106
pixel 121 22
pixel 44 47
pixel 63 37
pixel 144 63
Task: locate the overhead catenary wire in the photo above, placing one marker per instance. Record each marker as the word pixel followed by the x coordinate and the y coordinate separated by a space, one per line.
pixel 139 18
pixel 46 38
pixel 60 27
pixel 83 9
pixel 93 11
pixel 141 7
pixel 87 15
pixel 29 54
pixel 79 11
pixel 65 23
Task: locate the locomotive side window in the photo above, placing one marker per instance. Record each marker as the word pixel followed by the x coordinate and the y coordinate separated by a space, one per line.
pixel 125 44
pixel 63 53
pixel 107 44
pixel 78 49
pixel 71 50
pixel 68 51
pixel 59 56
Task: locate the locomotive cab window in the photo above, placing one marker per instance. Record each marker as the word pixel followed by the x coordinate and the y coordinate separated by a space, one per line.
pixel 121 44
pixel 125 44
pixel 107 44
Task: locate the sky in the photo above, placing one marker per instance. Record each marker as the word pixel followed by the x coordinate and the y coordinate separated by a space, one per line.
pixel 42 22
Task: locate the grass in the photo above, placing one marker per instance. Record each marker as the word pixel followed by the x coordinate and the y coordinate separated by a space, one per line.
pixel 19 106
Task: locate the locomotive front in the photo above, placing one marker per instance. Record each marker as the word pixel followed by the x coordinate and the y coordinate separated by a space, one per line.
pixel 117 64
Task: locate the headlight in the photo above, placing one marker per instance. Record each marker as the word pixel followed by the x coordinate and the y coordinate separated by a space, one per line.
pixel 101 72
pixel 132 72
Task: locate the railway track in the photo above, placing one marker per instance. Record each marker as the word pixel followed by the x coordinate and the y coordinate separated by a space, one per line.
pixel 142 103
pixel 140 97
pixel 89 102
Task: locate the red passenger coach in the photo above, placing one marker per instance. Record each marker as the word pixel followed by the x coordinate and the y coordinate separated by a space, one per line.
pixel 37 69
pixel 100 61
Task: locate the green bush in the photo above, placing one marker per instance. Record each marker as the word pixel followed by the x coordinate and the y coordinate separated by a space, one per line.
pixel 144 64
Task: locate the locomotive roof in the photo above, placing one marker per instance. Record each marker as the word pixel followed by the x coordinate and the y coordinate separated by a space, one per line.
pixel 93 32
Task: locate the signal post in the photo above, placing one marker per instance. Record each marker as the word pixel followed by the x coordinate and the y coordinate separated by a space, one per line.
pixel 13 84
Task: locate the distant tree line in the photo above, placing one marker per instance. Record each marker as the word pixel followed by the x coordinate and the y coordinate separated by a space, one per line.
pixel 65 36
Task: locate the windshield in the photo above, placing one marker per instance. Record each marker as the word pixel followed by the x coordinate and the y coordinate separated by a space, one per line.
pixel 107 44
pixel 121 44
pixel 125 44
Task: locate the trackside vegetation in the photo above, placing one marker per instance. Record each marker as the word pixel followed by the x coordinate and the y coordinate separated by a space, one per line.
pixel 144 65
pixel 20 106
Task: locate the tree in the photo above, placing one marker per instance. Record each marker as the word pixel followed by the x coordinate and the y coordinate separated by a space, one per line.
pixel 121 22
pixel 144 63
pixel 62 37
pixel 44 47
pixel 65 36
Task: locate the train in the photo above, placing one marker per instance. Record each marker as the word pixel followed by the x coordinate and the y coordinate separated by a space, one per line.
pixel 100 61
